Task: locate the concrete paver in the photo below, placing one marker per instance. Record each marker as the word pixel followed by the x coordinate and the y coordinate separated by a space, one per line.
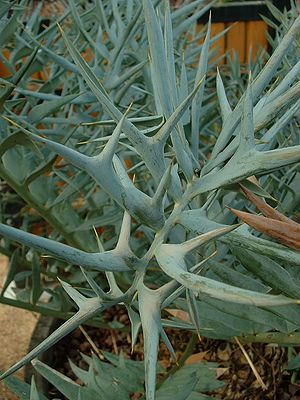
pixel 16 327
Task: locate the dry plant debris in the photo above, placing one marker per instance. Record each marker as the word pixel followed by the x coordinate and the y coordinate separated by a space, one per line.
pixel 234 369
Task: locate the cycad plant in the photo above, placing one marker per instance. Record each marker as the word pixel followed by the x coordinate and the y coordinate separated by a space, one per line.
pixel 169 240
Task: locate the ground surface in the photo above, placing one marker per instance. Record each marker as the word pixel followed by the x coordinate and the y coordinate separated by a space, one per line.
pixel 240 383
pixel 16 327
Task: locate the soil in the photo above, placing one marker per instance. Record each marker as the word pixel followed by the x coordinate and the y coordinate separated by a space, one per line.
pixel 269 361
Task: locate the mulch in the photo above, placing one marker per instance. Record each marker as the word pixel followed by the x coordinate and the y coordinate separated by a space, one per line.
pixel 270 361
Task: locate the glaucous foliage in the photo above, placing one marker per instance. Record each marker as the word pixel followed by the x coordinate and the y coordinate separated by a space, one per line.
pixel 126 138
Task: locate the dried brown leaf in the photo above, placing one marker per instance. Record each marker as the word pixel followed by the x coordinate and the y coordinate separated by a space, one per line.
pixel 220 371
pixel 288 233
pixel 224 354
pixel 197 357
pixel 265 209
pixel 182 315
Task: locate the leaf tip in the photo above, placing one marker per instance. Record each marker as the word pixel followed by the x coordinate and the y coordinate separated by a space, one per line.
pixel 60 28
pixel 33 362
